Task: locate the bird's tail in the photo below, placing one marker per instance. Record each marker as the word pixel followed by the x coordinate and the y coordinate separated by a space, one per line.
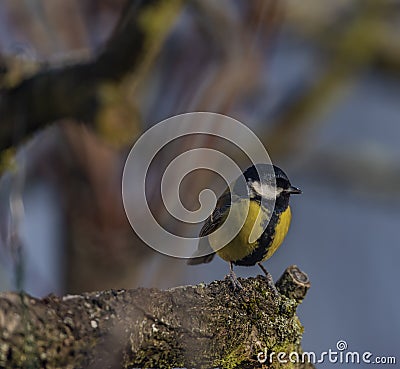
pixel 203 254
pixel 195 260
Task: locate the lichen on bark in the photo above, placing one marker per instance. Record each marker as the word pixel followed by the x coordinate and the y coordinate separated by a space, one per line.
pixel 201 326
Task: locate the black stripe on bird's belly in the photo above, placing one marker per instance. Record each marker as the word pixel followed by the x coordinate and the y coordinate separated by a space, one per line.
pixel 267 237
pixel 261 250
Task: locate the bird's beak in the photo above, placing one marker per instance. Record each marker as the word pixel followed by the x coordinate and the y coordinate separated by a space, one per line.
pixel 294 190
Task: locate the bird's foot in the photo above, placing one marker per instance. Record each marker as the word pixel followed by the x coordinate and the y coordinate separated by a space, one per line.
pixel 235 283
pixel 270 281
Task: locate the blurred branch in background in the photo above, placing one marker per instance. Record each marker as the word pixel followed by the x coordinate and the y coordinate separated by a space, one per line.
pixel 162 59
pixel 350 46
pixel 84 171
pixel 378 36
pixel 110 100
pixel 60 93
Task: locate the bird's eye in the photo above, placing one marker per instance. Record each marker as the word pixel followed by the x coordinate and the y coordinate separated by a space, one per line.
pixel 282 183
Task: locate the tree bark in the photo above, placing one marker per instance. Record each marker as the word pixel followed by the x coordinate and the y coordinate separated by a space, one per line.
pixel 199 326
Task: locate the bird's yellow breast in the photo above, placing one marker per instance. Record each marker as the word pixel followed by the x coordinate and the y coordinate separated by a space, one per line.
pixel 252 228
pixel 254 224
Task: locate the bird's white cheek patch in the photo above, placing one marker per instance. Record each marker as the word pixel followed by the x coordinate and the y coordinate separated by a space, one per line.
pixel 266 190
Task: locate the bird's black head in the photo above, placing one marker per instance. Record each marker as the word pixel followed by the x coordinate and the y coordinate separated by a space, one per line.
pixel 283 184
pixel 260 180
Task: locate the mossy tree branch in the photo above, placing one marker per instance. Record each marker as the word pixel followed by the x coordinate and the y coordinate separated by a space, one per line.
pixel 199 326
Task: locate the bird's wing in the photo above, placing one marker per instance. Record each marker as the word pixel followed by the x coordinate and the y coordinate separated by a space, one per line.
pixel 205 253
pixel 218 216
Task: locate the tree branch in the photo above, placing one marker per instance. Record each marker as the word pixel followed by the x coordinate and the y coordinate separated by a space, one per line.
pixel 191 326
pixel 73 91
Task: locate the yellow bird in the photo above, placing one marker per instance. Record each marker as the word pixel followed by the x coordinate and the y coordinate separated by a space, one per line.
pixel 260 191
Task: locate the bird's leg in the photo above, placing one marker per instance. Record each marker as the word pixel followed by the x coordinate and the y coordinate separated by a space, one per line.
pixel 270 281
pixel 232 276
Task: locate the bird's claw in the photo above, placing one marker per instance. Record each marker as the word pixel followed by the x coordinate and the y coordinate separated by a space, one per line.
pixel 270 281
pixel 235 283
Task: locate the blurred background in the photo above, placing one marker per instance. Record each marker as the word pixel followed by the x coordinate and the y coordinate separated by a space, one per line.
pixel 318 82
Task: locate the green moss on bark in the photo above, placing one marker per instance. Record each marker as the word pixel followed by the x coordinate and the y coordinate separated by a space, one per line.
pixel 201 326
